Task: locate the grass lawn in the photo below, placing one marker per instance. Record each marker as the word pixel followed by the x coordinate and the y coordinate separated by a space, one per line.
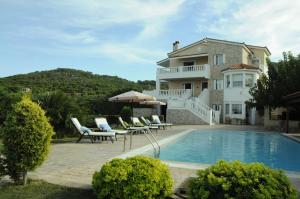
pixel 39 190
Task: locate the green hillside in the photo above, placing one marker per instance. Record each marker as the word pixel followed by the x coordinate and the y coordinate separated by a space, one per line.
pixel 73 82
pixel 65 93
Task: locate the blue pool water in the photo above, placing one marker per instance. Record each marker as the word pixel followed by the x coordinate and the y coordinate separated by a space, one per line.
pixel 209 146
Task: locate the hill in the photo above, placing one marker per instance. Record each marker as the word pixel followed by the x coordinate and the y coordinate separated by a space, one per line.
pixel 73 82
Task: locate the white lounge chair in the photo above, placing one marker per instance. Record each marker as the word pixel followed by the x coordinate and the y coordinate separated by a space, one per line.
pixel 138 123
pixel 156 120
pixel 133 129
pixel 148 123
pixel 102 121
pixel 84 131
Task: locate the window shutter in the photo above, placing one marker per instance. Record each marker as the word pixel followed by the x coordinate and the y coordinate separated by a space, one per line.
pixel 221 83
pixel 215 60
pixel 223 58
pixel 214 84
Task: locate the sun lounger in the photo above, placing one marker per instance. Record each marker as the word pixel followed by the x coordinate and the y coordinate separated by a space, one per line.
pixel 137 122
pixel 156 120
pixel 132 128
pixel 84 131
pixel 103 125
pixel 148 123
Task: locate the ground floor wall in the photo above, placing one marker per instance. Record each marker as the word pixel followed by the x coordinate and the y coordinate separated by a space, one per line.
pixel 145 112
pixel 182 116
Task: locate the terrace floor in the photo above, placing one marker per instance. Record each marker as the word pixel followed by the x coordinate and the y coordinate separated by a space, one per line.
pixel 73 164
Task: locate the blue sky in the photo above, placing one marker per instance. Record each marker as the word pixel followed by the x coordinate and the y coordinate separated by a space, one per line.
pixel 127 37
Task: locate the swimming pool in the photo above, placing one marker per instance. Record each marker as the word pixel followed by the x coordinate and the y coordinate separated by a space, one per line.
pixel 209 146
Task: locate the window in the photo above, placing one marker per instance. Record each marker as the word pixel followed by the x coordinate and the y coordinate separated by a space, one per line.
pixel 237 80
pixel 188 63
pixel 217 107
pixel 249 80
pixel 204 85
pixel 219 59
pixel 236 109
pixel 227 81
pixel 227 109
pixel 255 61
pixel 218 84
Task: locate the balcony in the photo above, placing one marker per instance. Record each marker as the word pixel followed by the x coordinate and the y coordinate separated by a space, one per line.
pixel 169 94
pixel 180 72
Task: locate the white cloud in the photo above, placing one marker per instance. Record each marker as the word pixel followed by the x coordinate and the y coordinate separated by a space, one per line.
pixel 76 26
pixel 63 37
pixel 273 24
pixel 128 53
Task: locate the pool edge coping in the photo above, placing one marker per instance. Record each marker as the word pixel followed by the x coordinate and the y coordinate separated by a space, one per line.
pixel 143 149
pixel 190 165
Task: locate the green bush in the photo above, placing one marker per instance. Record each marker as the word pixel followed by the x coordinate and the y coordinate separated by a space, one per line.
pixel 135 178
pixel 239 180
pixel 126 113
pixel 26 139
pixel 59 107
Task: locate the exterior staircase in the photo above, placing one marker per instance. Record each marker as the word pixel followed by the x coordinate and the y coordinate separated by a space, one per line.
pixel 184 109
pixel 191 111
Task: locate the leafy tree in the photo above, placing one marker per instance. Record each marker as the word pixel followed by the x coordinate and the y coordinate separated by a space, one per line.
pixel 26 139
pixel 7 100
pixel 283 79
pixel 126 113
pixel 59 108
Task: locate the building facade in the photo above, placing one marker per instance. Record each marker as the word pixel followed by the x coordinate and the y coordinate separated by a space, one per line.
pixel 211 79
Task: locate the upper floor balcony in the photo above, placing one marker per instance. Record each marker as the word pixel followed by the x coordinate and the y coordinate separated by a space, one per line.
pixel 181 72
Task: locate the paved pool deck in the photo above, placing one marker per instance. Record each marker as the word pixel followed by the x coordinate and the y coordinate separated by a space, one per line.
pixel 73 164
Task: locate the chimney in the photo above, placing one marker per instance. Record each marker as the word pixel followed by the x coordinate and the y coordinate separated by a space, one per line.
pixel 175 45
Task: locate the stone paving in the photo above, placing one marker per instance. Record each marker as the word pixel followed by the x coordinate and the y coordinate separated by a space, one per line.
pixel 73 164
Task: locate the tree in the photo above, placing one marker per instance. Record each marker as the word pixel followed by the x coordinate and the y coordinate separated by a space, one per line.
pixel 26 139
pixel 283 79
pixel 59 108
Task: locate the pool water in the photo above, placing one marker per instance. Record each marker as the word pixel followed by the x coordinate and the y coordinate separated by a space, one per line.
pixel 209 146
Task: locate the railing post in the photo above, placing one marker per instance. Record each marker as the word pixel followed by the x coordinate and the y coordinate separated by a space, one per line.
pixel 210 117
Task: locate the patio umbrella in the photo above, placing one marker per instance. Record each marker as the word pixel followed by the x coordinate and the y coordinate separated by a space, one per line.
pixel 153 103
pixel 132 97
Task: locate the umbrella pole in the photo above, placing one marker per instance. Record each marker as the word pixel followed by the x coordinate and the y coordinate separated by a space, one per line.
pixel 131 120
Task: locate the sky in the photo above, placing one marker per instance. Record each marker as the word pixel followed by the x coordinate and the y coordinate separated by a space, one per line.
pixel 127 37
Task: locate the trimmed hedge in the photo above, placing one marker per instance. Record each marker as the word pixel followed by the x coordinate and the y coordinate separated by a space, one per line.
pixel 239 180
pixel 135 178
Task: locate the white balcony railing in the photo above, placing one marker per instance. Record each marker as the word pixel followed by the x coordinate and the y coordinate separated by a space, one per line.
pixel 184 71
pixel 170 94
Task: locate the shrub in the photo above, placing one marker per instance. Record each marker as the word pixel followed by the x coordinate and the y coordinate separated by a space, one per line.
pixel 239 180
pixel 135 178
pixel 26 139
pixel 59 107
pixel 126 113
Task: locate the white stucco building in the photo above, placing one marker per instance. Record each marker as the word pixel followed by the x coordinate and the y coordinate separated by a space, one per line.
pixel 208 81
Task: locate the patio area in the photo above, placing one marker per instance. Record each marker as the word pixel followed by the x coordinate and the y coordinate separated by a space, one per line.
pixel 73 164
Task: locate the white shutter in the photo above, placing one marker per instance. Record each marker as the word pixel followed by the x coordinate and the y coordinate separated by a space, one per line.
pixel 221 83
pixel 223 58
pixel 214 85
pixel 215 60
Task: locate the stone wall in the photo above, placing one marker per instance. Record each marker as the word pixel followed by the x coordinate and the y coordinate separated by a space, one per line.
pixel 279 125
pixel 181 116
pixel 146 112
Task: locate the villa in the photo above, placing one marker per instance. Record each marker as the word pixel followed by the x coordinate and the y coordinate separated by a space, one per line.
pixel 208 81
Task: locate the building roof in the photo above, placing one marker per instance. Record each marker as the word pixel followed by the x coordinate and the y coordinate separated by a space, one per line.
pixel 246 46
pixel 241 66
